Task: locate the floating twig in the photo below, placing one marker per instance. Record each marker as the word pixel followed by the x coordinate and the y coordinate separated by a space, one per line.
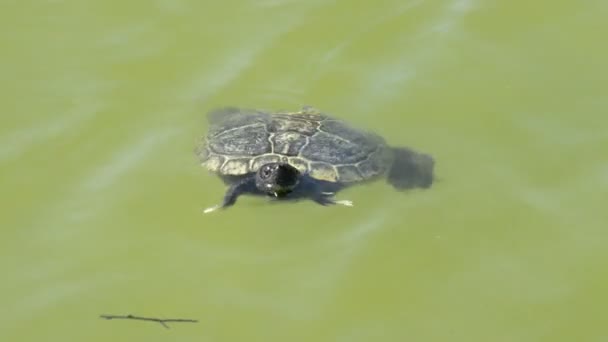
pixel 161 321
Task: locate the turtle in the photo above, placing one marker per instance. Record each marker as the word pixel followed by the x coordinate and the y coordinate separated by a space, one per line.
pixel 304 154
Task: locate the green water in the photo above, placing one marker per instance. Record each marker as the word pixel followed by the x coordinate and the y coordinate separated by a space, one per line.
pixel 102 196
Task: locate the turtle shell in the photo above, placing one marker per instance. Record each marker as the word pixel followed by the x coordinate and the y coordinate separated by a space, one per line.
pixel 240 141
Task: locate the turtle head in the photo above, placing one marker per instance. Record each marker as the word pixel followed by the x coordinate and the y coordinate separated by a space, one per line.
pixel 277 179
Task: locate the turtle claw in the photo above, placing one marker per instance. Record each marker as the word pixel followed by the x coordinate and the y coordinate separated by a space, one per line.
pixel 346 203
pixel 211 209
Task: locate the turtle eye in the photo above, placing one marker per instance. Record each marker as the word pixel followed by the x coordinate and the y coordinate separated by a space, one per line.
pixel 266 172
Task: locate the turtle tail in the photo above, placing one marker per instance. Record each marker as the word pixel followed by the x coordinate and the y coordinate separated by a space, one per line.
pixel 411 169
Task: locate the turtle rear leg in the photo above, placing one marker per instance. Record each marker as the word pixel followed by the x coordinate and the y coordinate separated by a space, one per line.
pixel 411 169
pixel 242 186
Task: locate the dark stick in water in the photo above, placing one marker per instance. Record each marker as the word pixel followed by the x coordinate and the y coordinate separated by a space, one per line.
pixel 161 321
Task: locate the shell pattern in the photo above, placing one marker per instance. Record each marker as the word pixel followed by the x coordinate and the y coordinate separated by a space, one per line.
pixel 240 141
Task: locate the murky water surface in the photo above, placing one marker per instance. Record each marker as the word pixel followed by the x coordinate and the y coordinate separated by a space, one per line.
pixel 102 196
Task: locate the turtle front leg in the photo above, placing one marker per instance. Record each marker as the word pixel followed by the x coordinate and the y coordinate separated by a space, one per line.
pixel 242 186
pixel 319 192
pixel 327 198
